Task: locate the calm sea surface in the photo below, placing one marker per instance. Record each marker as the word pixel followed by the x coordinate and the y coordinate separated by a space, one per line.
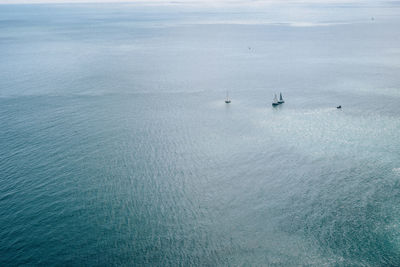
pixel 117 149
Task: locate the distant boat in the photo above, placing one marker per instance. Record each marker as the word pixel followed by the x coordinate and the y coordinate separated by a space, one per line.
pixel 227 99
pixel 281 101
pixel 275 101
pixel 339 107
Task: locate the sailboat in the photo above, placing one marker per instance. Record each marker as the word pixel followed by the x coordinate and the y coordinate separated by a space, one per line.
pixel 275 101
pixel 281 101
pixel 227 99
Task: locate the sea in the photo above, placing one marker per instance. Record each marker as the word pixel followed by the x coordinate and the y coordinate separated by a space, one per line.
pixel 117 148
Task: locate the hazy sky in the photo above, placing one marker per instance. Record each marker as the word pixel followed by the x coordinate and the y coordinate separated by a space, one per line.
pixel 200 2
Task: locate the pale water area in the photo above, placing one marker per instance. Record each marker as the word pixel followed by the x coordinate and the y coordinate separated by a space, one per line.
pixel 117 149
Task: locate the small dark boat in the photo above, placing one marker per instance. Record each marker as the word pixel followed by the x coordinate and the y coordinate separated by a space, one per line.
pixel 339 107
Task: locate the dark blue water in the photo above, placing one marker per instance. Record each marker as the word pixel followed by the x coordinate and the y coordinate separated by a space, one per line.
pixel 116 146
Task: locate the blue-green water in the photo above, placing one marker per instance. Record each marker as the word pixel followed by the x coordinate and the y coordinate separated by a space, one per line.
pixel 116 147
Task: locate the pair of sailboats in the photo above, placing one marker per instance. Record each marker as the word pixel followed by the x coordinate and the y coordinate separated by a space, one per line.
pixel 277 102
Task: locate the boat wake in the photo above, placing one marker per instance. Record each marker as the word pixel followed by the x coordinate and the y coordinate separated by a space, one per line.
pixel 396 171
pixel 317 111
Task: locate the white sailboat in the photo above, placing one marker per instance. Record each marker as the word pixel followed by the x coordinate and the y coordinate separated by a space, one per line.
pixel 227 99
pixel 281 101
pixel 275 101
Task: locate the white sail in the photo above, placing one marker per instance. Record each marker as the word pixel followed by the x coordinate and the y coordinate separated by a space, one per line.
pixel 227 100
pixel 275 101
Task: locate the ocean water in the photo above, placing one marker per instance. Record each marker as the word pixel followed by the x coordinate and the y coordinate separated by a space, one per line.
pixel 117 149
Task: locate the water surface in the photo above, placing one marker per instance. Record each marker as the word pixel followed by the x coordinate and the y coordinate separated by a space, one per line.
pixel 118 149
